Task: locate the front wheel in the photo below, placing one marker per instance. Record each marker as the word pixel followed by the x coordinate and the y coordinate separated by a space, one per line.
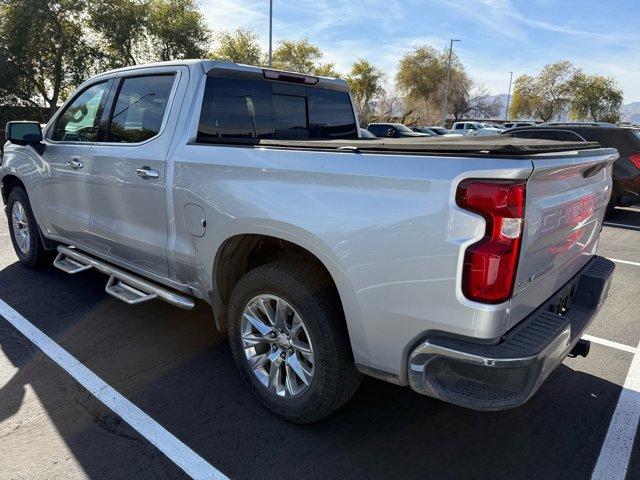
pixel 23 230
pixel 288 337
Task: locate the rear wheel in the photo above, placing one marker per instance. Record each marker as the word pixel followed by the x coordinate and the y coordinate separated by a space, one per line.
pixel 23 230
pixel 288 337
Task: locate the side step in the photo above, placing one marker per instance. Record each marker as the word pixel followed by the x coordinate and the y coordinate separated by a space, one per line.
pixel 122 285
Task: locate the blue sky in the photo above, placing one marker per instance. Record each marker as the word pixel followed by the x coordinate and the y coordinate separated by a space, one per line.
pixel 498 36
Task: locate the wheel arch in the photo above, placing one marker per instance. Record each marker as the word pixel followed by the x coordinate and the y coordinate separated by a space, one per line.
pixel 9 182
pixel 241 252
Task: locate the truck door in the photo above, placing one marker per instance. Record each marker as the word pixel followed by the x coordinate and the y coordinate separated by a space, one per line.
pixel 126 172
pixel 61 200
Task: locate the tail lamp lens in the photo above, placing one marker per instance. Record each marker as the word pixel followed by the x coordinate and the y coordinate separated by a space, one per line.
pixel 490 264
pixel 635 159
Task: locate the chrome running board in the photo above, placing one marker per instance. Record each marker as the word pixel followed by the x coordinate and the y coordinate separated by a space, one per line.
pixel 122 285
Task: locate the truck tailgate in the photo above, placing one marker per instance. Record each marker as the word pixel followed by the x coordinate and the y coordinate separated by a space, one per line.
pixel 566 199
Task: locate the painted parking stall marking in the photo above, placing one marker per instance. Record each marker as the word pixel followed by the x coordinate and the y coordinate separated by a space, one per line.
pixel 179 453
pixel 615 454
pixel 609 343
pixel 626 262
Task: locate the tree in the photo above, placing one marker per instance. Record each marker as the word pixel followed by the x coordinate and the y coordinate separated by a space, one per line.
pixel 422 72
pixel 121 25
pixel 44 51
pixel 469 100
pixel 239 46
pixel 546 95
pixel 177 29
pixel 365 84
pixel 596 97
pixel 302 56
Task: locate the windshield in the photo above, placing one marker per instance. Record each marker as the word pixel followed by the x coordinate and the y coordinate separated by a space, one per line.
pixel 402 128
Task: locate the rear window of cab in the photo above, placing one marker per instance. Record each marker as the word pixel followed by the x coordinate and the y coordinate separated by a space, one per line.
pixel 235 108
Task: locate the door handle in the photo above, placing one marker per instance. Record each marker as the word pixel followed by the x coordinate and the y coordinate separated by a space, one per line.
pixel 146 172
pixel 75 163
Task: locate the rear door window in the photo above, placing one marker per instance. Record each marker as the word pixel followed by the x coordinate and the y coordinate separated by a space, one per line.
pixel 139 108
pixel 257 109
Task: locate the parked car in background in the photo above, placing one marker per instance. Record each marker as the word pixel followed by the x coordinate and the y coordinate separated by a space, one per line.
pixel 425 130
pixel 474 129
pixel 626 170
pixel 436 131
pixel 364 133
pixel 393 130
pixel 497 126
pixel 519 124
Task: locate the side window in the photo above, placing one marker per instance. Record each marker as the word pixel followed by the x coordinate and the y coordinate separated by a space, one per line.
pixel 79 120
pixel 558 135
pixel 460 126
pixel 522 134
pixel 139 108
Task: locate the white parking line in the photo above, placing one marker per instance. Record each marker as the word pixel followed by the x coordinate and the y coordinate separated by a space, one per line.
pixel 623 225
pixel 626 262
pixel 609 343
pixel 167 443
pixel 615 454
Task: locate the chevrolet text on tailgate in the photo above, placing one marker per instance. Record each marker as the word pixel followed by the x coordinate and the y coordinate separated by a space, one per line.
pixel 463 267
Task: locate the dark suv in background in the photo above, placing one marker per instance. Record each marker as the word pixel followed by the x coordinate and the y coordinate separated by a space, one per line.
pixel 393 130
pixel 626 170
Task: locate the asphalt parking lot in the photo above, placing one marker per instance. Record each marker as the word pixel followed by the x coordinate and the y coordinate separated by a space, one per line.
pixel 178 370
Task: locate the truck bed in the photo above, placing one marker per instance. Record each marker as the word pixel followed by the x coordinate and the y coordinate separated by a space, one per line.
pixel 496 145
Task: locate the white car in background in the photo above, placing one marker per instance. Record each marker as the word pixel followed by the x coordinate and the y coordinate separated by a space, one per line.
pixel 474 129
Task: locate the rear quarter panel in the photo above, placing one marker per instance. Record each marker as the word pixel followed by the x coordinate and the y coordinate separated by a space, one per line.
pixel 385 226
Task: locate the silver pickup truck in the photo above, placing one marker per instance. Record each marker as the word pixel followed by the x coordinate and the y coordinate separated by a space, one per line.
pixel 462 267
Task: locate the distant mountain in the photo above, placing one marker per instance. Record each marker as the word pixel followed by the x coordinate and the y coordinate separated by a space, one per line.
pixel 631 112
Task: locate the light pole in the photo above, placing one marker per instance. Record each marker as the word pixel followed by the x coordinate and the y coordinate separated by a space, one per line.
pixel 506 112
pixel 270 32
pixel 446 85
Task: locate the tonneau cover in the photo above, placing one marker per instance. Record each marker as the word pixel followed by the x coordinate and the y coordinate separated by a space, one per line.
pixel 495 145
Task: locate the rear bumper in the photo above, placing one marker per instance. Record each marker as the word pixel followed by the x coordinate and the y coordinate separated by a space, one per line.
pixel 506 374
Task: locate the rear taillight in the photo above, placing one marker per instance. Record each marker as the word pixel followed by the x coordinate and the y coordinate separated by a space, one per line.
pixel 635 159
pixel 490 265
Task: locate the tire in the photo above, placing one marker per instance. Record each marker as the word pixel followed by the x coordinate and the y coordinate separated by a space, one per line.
pixel 333 377
pixel 25 235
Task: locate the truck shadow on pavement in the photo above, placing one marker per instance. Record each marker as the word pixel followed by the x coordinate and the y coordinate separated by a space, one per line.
pixel 178 369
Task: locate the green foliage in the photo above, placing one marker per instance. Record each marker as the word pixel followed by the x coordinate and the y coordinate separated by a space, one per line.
pixel 44 52
pixel 302 56
pixel 596 98
pixel 365 84
pixel 176 29
pixel 422 72
pixel 546 95
pixel 121 25
pixel 239 46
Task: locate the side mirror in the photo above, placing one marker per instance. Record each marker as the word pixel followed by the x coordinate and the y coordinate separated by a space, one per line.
pixel 25 133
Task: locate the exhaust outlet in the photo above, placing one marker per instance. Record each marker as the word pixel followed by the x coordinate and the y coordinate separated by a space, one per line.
pixel 580 349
